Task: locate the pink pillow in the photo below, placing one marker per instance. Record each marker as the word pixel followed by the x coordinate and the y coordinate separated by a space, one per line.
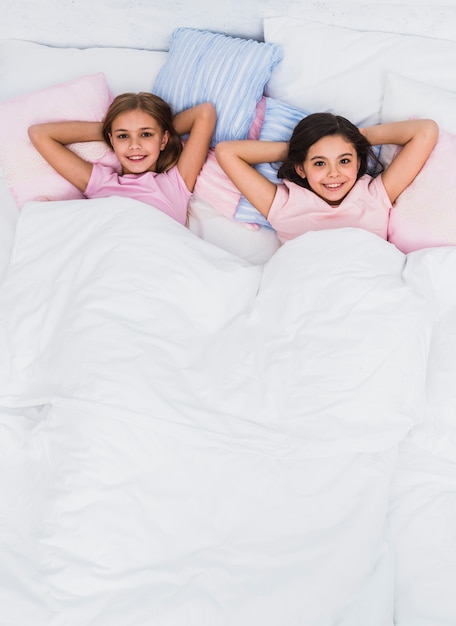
pixel 424 215
pixel 27 174
pixel 213 185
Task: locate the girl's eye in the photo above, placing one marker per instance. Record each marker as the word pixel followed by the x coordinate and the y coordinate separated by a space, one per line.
pixel 345 161
pixel 319 163
pixel 147 134
pixel 122 136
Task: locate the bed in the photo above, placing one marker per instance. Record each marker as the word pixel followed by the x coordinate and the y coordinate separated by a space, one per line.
pixel 198 425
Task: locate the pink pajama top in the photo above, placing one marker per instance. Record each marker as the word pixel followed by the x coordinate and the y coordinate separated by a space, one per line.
pixel 166 191
pixel 296 210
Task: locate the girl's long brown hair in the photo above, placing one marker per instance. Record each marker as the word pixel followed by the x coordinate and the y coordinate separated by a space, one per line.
pixel 159 110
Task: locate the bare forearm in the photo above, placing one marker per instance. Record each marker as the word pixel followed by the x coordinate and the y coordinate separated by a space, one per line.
pixel 236 158
pixel 417 138
pixel 400 133
pixel 51 141
pixel 252 151
pixel 66 132
pixel 201 113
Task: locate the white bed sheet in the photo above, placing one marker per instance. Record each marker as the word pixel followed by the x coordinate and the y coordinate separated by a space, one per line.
pixel 122 518
pixel 180 437
pixel 421 520
pixel 8 219
pixel 113 282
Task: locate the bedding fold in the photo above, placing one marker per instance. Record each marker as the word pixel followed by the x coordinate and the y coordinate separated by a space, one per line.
pixel 324 346
pixel 194 438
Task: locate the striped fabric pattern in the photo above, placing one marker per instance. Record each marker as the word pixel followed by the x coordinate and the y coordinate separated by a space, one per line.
pixel 279 121
pixel 230 72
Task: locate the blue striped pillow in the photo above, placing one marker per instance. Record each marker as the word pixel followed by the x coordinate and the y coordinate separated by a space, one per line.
pixel 230 72
pixel 279 122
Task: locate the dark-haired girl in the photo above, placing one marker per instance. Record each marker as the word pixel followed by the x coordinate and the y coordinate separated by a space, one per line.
pixel 331 176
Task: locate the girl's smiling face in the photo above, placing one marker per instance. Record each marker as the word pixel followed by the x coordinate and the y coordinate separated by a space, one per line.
pixel 331 168
pixel 137 139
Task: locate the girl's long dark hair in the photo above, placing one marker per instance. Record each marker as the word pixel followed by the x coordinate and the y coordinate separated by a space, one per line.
pixel 159 110
pixel 313 128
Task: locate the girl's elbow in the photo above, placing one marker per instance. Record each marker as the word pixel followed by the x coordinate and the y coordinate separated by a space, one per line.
pixel 207 117
pixel 432 133
pixel 207 110
pixel 33 132
pixel 211 108
pixel 431 129
pixel 435 129
pixel 225 153
pixel 220 150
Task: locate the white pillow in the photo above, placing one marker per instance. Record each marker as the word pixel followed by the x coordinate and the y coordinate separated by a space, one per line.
pixel 405 98
pixel 330 68
pixel 407 19
pixel 8 219
pixel 26 67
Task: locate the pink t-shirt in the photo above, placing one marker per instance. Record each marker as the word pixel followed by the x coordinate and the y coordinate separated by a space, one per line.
pixel 166 191
pixel 296 210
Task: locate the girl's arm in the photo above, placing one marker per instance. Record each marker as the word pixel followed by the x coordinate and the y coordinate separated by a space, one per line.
pixel 51 142
pixel 236 159
pixel 418 138
pixel 199 122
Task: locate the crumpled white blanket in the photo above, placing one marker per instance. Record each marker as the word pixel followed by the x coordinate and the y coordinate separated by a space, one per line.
pixel 191 439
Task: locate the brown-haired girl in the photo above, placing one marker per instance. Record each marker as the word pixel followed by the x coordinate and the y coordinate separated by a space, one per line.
pixel 155 167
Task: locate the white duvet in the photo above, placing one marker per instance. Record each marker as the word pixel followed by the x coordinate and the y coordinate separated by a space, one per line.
pixel 190 439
